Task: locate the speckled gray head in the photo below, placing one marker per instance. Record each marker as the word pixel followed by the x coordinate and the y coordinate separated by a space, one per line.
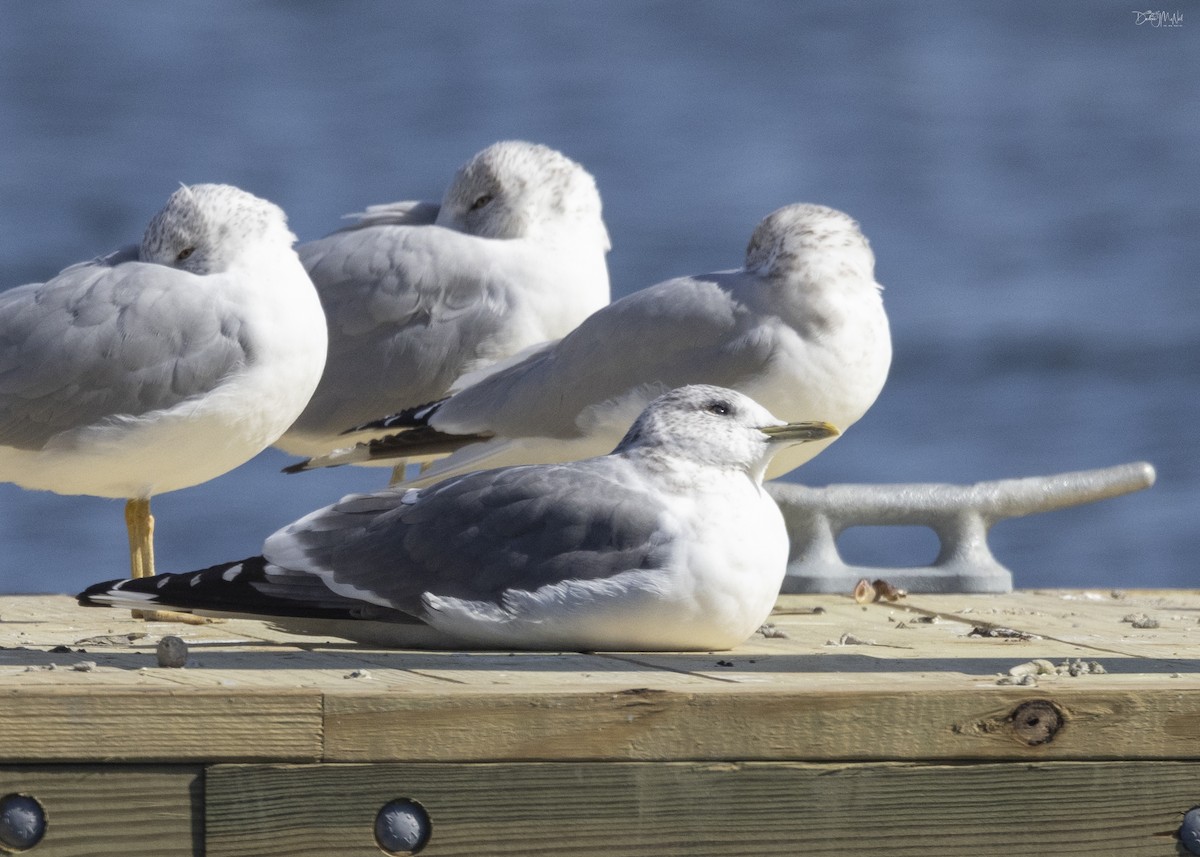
pixel 204 228
pixel 515 189
pixel 813 241
pixel 716 426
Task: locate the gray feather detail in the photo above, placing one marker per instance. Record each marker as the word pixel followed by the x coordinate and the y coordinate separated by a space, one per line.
pixel 412 306
pixel 480 535
pixel 104 341
pixel 670 326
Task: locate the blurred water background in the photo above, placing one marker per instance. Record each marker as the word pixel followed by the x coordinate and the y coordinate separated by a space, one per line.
pixel 1027 173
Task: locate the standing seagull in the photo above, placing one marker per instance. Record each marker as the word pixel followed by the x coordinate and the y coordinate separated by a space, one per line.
pixel 800 329
pixel 161 366
pixel 669 543
pixel 418 295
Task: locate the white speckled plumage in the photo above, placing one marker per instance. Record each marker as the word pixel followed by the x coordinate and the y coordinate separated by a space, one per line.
pixel 420 294
pixel 165 365
pixel 800 327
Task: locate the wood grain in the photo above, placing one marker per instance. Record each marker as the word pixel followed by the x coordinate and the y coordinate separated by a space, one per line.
pixel 912 684
pixel 877 728
pixel 613 809
pixel 914 723
pixel 114 811
pixel 70 724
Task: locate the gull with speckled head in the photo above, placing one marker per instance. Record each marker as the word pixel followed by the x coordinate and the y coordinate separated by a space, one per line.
pixel 163 365
pixel 420 294
pixel 800 328
pixel 669 543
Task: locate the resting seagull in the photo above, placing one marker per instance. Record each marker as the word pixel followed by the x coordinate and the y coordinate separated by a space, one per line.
pixel 800 328
pixel 669 543
pixel 419 294
pixel 160 366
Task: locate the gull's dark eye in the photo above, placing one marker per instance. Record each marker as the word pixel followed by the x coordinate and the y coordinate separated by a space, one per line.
pixel 481 202
pixel 720 408
pixel 184 253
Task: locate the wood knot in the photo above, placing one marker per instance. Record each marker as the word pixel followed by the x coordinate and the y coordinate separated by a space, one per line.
pixel 1036 721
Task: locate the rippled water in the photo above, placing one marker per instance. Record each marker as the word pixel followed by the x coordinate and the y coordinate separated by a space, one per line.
pixel 1026 172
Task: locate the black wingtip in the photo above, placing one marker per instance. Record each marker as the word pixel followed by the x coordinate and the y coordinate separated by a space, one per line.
pixel 373 424
pixel 415 417
pixel 84 599
pixel 298 467
pixel 226 586
pixel 239 588
pixel 88 598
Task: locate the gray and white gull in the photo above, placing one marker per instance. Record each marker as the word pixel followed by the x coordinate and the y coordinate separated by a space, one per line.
pixel 668 543
pixel 800 328
pixel 163 365
pixel 419 295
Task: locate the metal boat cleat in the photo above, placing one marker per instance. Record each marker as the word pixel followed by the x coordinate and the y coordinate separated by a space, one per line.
pixel 961 515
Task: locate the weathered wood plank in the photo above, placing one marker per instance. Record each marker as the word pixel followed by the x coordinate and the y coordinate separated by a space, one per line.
pixel 71 724
pixel 908 718
pixel 1070 624
pixel 918 689
pixel 1064 623
pixel 114 811
pixel 614 809
pixel 43 638
pixel 918 722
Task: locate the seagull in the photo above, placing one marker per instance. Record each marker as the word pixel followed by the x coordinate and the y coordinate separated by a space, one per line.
pixel 163 365
pixel 419 295
pixel 669 543
pixel 800 328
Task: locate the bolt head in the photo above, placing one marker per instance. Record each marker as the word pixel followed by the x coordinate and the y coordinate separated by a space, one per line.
pixel 1189 831
pixel 402 827
pixel 22 822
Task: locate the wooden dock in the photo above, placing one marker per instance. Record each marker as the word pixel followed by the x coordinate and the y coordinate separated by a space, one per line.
pixel 884 728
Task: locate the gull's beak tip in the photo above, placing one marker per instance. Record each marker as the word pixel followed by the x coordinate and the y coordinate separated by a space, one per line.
pixel 801 432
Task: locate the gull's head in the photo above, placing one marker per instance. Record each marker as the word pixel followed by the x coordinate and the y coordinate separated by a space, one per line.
pixel 716 427
pixel 206 228
pixel 514 189
pixel 814 242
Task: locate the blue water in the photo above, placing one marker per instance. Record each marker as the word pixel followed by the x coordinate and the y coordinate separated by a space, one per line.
pixel 1027 173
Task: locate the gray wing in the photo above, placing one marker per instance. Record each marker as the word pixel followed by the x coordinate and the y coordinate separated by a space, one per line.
pixel 685 331
pixel 102 340
pixel 395 214
pixel 479 535
pixel 410 308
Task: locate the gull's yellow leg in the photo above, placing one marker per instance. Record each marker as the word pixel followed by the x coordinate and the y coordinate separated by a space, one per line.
pixel 400 471
pixel 140 524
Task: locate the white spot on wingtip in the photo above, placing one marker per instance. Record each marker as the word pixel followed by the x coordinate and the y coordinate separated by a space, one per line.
pixel 231 574
pixel 162 581
pixel 123 597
